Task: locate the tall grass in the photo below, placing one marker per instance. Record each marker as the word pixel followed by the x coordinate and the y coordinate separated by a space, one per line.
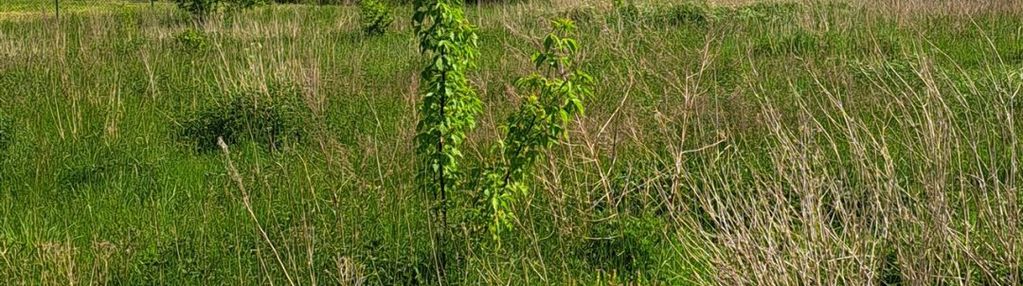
pixel 809 143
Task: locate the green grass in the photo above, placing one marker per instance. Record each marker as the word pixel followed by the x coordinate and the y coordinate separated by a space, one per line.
pixel 763 144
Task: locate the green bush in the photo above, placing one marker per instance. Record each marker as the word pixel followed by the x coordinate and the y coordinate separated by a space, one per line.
pixel 192 40
pixel 376 17
pixel 270 120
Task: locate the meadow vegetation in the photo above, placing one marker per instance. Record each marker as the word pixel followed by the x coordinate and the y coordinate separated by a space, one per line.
pixel 723 142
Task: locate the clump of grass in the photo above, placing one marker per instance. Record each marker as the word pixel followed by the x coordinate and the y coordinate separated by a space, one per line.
pixel 624 245
pixel 687 13
pixel 764 11
pixel 385 266
pixel 800 42
pixel 90 164
pixel 6 134
pixel 701 14
pixel 272 120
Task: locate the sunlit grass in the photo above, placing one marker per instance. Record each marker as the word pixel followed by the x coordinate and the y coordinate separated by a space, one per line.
pixel 737 144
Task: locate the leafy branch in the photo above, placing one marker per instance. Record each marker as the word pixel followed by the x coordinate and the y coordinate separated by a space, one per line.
pixel 556 91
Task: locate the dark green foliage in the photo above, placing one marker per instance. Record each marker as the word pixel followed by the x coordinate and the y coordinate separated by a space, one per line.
pixel 624 244
pixel 192 40
pixel 384 267
pixel 271 120
pixel 700 14
pixel 94 168
pixel 375 17
pixel 891 273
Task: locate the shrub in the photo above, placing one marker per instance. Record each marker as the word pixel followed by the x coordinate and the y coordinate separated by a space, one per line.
pixel 376 17
pixel 192 40
pixel 271 121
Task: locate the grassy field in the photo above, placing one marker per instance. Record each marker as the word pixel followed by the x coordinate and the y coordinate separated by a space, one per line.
pixel 735 142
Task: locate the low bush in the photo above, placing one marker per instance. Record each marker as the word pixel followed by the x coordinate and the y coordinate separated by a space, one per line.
pixel 192 40
pixel 270 120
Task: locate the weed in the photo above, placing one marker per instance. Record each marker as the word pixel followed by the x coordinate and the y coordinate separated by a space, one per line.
pixel 766 12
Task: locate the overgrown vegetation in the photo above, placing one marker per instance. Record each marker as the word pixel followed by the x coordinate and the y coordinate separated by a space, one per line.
pixel 375 17
pixel 192 40
pixel 847 143
pixel 270 119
